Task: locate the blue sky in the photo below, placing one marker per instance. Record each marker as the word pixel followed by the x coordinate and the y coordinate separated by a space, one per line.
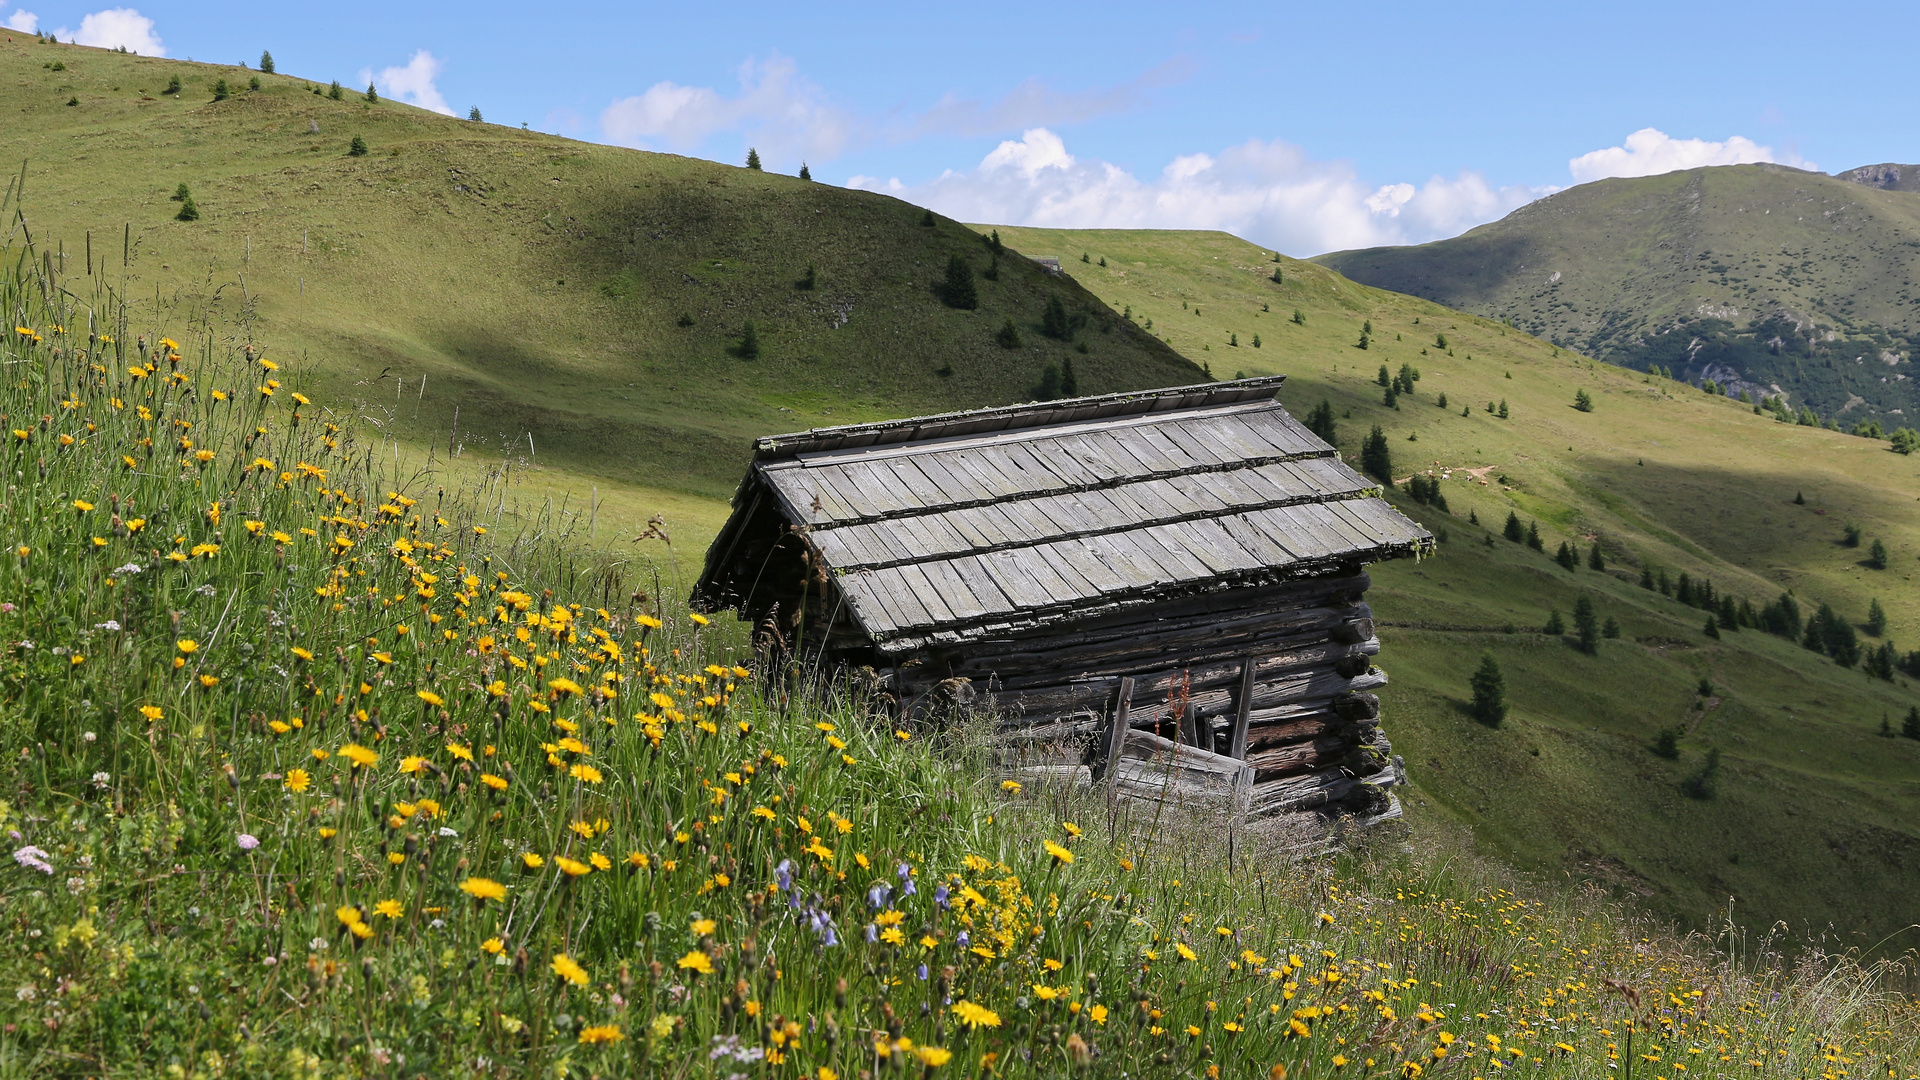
pixel 1306 127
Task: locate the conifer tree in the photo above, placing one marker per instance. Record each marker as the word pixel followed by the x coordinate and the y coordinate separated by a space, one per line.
pixel 1556 626
pixel 1503 408
pixel 357 148
pixel 1009 336
pixel 334 92
pixel 1646 578
pixel 1276 276
pixel 1533 536
pixel 1611 629
pixel 1586 623
pixel 1583 401
pixel 1712 629
pixel 188 211
pixel 1595 560
pixel 473 114
pixel 1513 530
pixel 1363 343
pixel 1053 319
pixel 1876 619
pixel 749 347
pixel 1384 378
pixel 1299 319
pixel 1490 695
pixel 1910 727
pixel 753 159
pixel 1376 457
pixel 173 85
pixel 958 290
pixel 373 96
pixel 1320 422
pixel 926 220
pixel 1049 388
pixel 220 90
pixel 1877 554
pixel 1069 382
pixel 1566 556
pixel 266 62
pixel 805 173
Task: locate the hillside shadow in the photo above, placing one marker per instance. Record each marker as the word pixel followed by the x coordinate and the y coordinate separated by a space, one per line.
pixel 1467 272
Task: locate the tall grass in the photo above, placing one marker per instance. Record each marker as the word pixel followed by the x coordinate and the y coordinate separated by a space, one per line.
pixel 308 773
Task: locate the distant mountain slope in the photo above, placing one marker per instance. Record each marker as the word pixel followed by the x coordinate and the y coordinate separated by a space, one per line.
pixel 576 304
pixel 1886 176
pixel 1768 278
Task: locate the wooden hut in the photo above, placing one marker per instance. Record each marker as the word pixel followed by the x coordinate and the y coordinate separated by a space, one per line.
pixel 1161 580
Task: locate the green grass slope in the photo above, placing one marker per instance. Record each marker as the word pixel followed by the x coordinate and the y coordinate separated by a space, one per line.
pixel 1771 278
pixel 1816 818
pixel 589 297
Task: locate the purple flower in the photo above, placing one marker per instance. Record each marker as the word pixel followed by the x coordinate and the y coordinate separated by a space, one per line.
pixel 906 881
pixel 940 895
pixel 873 934
pixel 247 841
pixel 877 896
pixel 33 858
pixel 783 874
pixel 922 972
pixel 7 607
pixel 965 939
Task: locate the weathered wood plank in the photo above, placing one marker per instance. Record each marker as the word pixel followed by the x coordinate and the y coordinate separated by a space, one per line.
pixel 1117 727
pixel 1237 742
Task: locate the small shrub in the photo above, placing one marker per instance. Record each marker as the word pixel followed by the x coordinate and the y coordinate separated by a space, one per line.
pixel 1489 692
pixel 749 347
pixel 1850 535
pixel 173 85
pixel 266 62
pixel 253 83
pixel 220 91
pixel 473 115
pixel 334 92
pixel 188 211
pixel 1667 744
pixel 357 148
pixel 181 194
pixel 753 159
pixel 685 320
pixel 1701 784
pixel 807 280
pixel 1008 336
pixel 373 96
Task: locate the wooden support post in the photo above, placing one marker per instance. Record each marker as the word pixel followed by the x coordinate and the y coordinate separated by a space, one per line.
pixel 1116 734
pixel 1243 708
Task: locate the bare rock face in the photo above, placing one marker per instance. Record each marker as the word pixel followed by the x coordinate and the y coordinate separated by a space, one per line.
pixel 1886 177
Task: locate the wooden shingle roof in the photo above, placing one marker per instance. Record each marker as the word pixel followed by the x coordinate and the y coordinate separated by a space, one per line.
pixel 942 529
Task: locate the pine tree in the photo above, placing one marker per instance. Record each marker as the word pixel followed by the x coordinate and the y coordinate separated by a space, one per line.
pixel 1877 555
pixel 1320 422
pixel 1503 408
pixel 1566 556
pixel 1008 337
pixel 808 280
pixel 958 290
pixel 188 211
pixel 1053 319
pixel 1582 401
pixel 1513 530
pixel 1910 727
pixel 334 92
pixel 1363 343
pixel 1384 378
pixel 473 114
pixel 1490 695
pixel 1299 319
pixel 1886 727
pixel 753 159
pixel 1069 382
pixel 1611 629
pixel 1712 629
pixel 1646 578
pixel 805 173
pixel 1049 388
pixel 1556 626
pixel 926 220
pixel 1256 341
pixel 357 148
pixel 373 96
pixel 266 62
pixel 1729 613
pixel 1376 457
pixel 1276 276
pixel 1441 401
pixel 1366 327
pixel 749 347
pixel 1233 341
pixel 1587 624
pixel 220 90
pixel 173 85
pixel 1439 341
pixel 1533 537
pixel 181 194
pixel 1876 619
pixel 1595 560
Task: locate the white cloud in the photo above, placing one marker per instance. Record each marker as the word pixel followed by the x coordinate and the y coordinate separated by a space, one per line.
pixel 779 112
pixel 116 28
pixel 24 21
pixel 1269 192
pixel 1035 104
pixel 412 84
pixel 1649 152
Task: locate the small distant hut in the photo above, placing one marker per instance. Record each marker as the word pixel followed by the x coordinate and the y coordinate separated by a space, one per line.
pixel 1170 580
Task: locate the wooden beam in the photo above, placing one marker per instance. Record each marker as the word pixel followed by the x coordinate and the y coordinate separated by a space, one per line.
pixel 1237 746
pixel 1116 729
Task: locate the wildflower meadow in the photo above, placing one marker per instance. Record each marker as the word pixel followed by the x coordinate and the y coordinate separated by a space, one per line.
pixel 307 770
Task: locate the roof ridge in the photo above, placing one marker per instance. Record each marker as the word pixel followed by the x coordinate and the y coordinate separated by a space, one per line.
pixel 1016 417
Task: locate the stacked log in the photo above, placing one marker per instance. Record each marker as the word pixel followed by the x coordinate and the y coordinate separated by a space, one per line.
pixel 1275 680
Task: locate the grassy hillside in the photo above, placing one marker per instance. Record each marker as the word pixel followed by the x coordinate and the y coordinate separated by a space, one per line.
pixel 589 297
pixel 1768 278
pixel 347 785
pixel 1816 819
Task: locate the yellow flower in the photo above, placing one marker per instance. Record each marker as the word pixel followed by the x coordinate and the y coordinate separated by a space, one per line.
pixel 1099 1014
pixel 702 927
pixel 209 681
pixel 532 861
pixel 298 780
pixel 1185 952
pixel 390 908
pixel 565 686
pixel 494 946
pixel 301 653
pixel 586 774
pixel 698 619
pixel 568 970
pixel 151 712
pixel 976 1016
pixel 600 862
pixel 604 1033
pixel 483 889
pixel 497 783
pixel 430 698
pixel 347 914
pixel 361 757
pixel 1010 785
pixel 82 505
pixel 187 645
pixel 571 867
pixel 412 764
pixel 1060 854
pixel 933 1056
pixel 460 752
pixel 696 961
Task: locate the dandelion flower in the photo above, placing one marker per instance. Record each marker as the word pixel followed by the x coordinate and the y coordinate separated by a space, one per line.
pixel 586 774
pixel 497 783
pixel 1060 855
pixel 413 764
pixel 603 1033
pixel 493 946
pixel 461 752
pixel 187 645
pixel 933 1056
pixel 430 698
pixel 361 757
pixel 976 1016
pixel 298 780
pixel 390 908
pixel 532 861
pixel 571 867
pixel 151 712
pixel 483 889
pixel 696 961
pixel 569 971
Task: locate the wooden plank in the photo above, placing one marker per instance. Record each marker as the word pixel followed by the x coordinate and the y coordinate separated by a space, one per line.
pixel 982 585
pixel 1255 542
pixel 799 490
pixel 1077 554
pixel 1116 732
pixel 1123 554
pixel 953 590
pixel 1237 742
pixel 1170 443
pixel 980 470
pixel 1169 548
pixel 1013 579
pixel 900 597
pixel 915 577
pixel 954 487
pixel 1045 458
pixel 871 603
